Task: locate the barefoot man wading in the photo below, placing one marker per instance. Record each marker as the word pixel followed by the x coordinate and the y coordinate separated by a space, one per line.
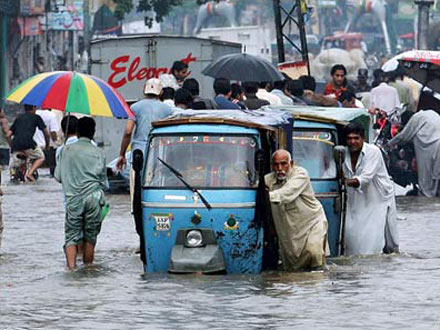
pixel 82 172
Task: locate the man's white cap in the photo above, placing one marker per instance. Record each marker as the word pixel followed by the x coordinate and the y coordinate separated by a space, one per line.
pixel 153 86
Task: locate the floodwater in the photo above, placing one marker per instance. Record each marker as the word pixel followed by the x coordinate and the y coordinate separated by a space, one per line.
pixel 37 292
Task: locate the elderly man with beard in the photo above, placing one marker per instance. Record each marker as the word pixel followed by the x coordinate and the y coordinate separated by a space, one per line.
pixel 299 218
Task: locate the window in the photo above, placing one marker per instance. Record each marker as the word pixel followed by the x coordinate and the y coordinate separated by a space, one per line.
pixel 313 150
pixel 205 161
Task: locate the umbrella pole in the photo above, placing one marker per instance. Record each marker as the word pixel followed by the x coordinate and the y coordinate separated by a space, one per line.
pixel 67 128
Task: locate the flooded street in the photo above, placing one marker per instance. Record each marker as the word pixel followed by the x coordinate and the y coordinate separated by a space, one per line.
pixel 37 292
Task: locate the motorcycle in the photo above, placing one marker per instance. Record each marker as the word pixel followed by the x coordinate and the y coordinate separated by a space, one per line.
pixel 18 173
pixel 400 161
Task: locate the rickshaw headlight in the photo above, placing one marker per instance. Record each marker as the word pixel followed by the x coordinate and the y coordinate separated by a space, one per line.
pixel 194 238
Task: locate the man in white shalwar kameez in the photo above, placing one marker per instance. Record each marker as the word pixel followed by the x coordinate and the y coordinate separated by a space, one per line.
pixel 371 209
pixel 424 129
pixel 299 218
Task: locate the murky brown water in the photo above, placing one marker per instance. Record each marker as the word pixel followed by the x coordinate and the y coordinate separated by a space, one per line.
pixel 37 292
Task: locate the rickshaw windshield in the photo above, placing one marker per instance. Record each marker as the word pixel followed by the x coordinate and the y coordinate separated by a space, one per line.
pixel 313 150
pixel 205 161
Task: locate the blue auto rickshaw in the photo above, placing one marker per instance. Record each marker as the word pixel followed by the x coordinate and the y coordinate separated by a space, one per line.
pixel 199 200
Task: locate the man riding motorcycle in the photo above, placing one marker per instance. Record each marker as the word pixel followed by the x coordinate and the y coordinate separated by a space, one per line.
pixel 23 146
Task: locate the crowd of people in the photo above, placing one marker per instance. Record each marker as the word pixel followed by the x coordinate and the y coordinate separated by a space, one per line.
pixel 80 164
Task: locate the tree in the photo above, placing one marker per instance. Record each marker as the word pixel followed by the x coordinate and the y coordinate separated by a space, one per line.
pixel 122 7
pixel 160 7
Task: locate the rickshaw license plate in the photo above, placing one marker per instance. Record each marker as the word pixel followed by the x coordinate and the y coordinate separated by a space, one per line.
pixel 162 223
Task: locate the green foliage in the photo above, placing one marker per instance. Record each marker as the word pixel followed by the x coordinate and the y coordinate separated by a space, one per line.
pixel 164 7
pixel 122 7
pixel 160 7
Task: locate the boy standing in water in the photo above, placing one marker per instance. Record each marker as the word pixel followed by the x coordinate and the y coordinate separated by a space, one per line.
pixel 82 172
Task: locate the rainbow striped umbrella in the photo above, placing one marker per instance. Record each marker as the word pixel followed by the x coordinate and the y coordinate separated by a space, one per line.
pixel 71 92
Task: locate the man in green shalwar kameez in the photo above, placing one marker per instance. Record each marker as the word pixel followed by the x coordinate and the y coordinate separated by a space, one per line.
pixel 82 172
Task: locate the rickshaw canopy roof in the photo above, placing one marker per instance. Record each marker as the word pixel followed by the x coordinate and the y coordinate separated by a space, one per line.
pixel 338 116
pixel 268 119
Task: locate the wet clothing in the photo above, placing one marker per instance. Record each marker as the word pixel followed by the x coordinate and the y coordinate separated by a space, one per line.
pixel 146 111
pixel 301 101
pixel 239 103
pixel 31 154
pixel 169 80
pixel 82 172
pixel 263 94
pixel 3 140
pixel 4 157
pixel 361 88
pixel 300 221
pixel 4 149
pixel 320 99
pixel 285 100
pixel 331 91
pixel 254 103
pixel 83 218
pixel 371 208
pixel 1 218
pixel 414 87
pixel 384 97
pixel 51 122
pixel 224 104
pixel 405 95
pixel 70 140
pixel 23 130
pixel 199 103
pixel 81 169
pixel 424 129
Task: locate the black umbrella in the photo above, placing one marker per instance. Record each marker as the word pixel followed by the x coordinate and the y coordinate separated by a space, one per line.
pixel 243 67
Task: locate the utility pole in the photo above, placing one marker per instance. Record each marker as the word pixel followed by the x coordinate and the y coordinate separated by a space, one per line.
pixel 423 23
pixel 7 8
pixel 3 58
pixel 284 19
pixel 86 32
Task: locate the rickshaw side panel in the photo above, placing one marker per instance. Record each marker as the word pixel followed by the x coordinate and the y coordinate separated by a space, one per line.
pixel 330 202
